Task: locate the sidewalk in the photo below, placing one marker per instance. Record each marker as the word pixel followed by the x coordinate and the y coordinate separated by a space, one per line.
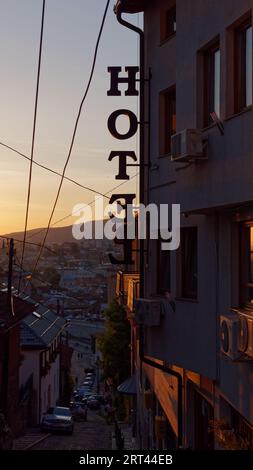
pixel 32 437
pixel 129 441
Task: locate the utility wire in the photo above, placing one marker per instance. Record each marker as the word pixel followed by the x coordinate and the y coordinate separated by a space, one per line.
pixel 74 132
pixel 28 243
pixel 33 134
pixel 60 220
pixel 51 170
pixel 89 204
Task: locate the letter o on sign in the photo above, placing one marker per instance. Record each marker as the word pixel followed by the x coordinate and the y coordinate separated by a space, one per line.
pixel 133 124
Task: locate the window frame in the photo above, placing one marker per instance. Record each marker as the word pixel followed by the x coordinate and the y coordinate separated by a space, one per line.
pixel 168 101
pixel 184 291
pixel 240 64
pixel 245 266
pixel 162 290
pixel 209 82
pixel 165 32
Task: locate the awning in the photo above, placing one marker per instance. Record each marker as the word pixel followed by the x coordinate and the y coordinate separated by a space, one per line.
pixel 128 387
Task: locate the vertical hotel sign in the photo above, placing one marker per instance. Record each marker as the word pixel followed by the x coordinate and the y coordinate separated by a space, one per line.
pixel 124 156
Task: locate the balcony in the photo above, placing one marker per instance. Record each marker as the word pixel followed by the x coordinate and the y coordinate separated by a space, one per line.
pixel 133 293
pixel 127 287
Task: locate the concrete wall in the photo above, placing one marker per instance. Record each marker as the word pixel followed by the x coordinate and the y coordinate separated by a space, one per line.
pixel 31 365
pixel 50 381
pixel 189 337
pixel 226 177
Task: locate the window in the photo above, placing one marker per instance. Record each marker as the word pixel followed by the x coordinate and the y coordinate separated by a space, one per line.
pixel 168 23
pixel 211 83
pixel 236 423
pixel 243 66
pixel 167 119
pixel 189 263
pixel 246 291
pixel 163 269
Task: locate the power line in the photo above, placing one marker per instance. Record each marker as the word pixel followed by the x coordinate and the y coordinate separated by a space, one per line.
pixel 61 220
pixel 51 170
pixel 28 243
pixel 89 204
pixel 33 133
pixel 75 130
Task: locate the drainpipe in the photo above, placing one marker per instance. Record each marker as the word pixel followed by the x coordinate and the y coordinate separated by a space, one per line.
pixel 143 358
pixel 164 368
pixel 142 135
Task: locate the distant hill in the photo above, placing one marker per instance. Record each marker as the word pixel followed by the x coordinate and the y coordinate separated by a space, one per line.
pixel 55 234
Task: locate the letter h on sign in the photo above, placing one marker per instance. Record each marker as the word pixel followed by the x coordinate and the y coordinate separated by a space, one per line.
pixel 131 81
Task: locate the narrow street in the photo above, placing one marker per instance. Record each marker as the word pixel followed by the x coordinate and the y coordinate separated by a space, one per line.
pixel 94 434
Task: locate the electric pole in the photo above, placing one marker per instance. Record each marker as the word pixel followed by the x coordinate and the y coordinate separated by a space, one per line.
pixel 11 255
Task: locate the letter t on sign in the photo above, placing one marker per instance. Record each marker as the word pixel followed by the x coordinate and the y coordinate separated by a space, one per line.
pixel 130 80
pixel 122 175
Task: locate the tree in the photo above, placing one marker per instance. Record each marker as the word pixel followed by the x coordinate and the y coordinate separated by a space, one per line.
pixel 114 343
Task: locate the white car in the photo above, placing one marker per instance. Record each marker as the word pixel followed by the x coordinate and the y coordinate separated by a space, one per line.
pixel 58 418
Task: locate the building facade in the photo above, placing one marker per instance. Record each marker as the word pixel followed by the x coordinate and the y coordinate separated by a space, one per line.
pixel 40 369
pixel 11 316
pixel 199 57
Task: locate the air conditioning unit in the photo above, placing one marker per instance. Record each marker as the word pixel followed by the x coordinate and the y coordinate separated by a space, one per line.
pixel 237 335
pixel 246 335
pixel 187 146
pixel 229 335
pixel 148 312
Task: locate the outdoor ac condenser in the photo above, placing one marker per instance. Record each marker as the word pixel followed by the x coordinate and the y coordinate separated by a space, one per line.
pixel 246 335
pixel 187 146
pixel 236 330
pixel 229 335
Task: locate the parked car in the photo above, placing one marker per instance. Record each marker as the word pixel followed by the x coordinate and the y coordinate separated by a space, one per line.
pixel 93 404
pixel 87 383
pixel 89 370
pixel 84 388
pixel 90 377
pixel 99 398
pixel 79 411
pixel 77 397
pixel 84 391
pixel 83 395
pixel 58 418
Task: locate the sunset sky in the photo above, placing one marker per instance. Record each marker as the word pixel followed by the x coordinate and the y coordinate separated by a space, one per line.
pixel 71 29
